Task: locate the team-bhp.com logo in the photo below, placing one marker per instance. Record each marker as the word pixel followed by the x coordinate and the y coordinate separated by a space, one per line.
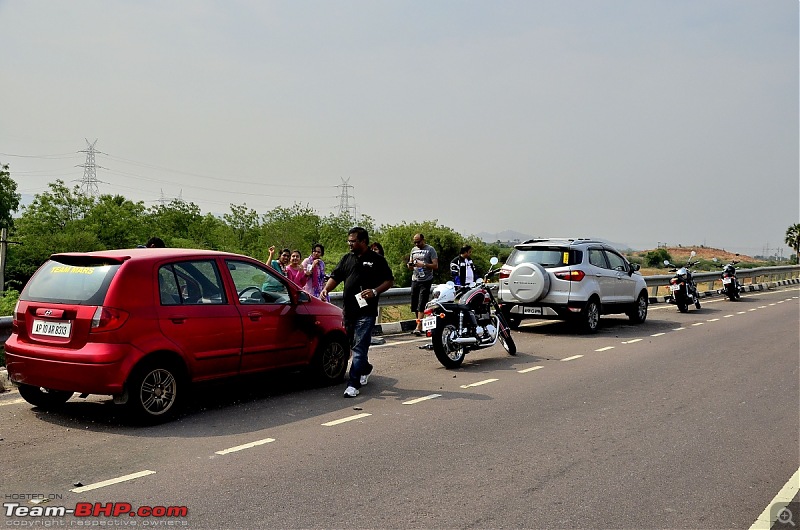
pixel 93 509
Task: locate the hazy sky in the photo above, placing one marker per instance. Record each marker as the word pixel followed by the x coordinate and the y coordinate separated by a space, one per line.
pixel 638 121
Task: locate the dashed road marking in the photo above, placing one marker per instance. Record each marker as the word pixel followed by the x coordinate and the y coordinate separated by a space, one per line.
pixel 698 323
pixel 712 320
pixel 531 369
pixel 657 334
pixel 631 341
pixel 606 348
pixel 753 309
pixel 245 446
pixel 345 420
pixel 572 358
pixel 479 383
pixel 112 481
pixel 741 312
pixel 678 329
pixel 424 398
pixel 775 509
pixel 728 316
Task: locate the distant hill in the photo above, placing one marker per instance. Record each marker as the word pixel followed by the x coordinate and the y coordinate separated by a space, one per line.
pixel 510 236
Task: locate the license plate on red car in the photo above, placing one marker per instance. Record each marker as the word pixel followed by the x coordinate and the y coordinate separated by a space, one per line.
pixel 50 328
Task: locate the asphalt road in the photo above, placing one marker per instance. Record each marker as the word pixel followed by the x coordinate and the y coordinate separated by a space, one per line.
pixel 688 421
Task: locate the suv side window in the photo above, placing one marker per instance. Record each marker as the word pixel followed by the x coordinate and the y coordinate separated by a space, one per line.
pixel 598 258
pixel 616 261
pixel 190 282
pixel 257 285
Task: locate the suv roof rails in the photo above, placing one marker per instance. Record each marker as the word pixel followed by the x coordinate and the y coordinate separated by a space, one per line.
pixel 561 239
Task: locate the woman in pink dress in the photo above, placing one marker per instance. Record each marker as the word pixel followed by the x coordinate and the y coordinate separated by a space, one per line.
pixel 295 271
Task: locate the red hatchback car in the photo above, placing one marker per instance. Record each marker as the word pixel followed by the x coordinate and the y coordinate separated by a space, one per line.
pixel 142 324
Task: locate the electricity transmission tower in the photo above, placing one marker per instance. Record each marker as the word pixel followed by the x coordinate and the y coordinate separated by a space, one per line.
pixel 89 181
pixel 344 199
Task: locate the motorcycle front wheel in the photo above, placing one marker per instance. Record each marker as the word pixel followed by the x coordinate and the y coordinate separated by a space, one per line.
pixel 449 354
pixel 505 335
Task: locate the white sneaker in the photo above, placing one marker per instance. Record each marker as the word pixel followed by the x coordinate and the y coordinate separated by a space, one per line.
pixel 365 379
pixel 350 391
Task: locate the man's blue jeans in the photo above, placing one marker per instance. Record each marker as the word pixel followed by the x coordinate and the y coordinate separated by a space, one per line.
pixel 360 333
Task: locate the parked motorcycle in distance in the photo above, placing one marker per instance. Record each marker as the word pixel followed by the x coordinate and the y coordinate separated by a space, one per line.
pixel 730 284
pixel 683 290
pixel 463 318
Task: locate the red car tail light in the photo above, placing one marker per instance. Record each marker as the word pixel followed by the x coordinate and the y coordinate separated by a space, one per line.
pixel 107 319
pixel 570 276
pixel 504 273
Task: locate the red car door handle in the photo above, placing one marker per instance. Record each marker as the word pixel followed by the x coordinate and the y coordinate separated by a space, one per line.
pixel 178 320
pixel 254 315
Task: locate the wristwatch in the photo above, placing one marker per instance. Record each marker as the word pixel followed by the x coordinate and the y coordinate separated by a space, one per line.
pixel 375 293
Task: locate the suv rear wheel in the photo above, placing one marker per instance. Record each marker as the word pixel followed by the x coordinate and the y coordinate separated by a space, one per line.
pixel 589 318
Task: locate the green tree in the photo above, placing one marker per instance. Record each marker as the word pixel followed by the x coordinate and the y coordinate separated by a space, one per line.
pixel 9 198
pixel 117 222
pixel 793 239
pixel 655 258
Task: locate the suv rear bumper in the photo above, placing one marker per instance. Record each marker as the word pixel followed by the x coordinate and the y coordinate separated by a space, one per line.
pixel 547 311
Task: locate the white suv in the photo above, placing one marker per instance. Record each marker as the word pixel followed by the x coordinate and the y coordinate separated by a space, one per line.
pixel 570 279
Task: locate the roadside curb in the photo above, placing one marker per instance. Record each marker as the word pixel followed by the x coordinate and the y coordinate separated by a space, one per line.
pixel 393 328
pixel 5 382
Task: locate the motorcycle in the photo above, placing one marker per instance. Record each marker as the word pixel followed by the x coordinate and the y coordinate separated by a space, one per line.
pixel 463 318
pixel 730 285
pixel 683 290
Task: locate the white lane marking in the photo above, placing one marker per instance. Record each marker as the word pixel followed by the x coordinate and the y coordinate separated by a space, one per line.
pixel 631 341
pixel 12 402
pixel 728 316
pixel 345 420
pixel 762 307
pixel 479 383
pixel 777 506
pixel 657 334
pixel 531 369
pixel 712 320
pixel 112 481
pixel 772 304
pixel 754 309
pixel 245 446
pixel 698 323
pixel 741 312
pixel 424 398
pixel 606 348
pixel 678 329
pixel 572 358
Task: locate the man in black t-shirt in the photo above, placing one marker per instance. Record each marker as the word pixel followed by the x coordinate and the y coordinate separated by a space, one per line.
pixel 365 275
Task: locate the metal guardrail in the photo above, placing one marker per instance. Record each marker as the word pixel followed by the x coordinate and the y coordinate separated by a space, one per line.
pixel 713 279
pixel 402 295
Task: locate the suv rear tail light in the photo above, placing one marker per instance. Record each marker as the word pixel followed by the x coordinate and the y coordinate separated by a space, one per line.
pixel 505 272
pixel 107 319
pixel 570 276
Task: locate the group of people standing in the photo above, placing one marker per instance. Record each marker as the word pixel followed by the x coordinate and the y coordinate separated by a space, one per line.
pixel 366 274
pixel 308 273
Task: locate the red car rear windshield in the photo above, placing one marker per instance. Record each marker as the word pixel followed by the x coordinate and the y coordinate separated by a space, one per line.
pixel 82 282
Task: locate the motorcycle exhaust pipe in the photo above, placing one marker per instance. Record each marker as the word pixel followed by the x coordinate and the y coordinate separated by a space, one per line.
pixel 465 340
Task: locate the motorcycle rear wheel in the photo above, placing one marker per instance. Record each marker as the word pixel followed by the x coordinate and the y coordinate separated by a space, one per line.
pixel 449 354
pixel 683 307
